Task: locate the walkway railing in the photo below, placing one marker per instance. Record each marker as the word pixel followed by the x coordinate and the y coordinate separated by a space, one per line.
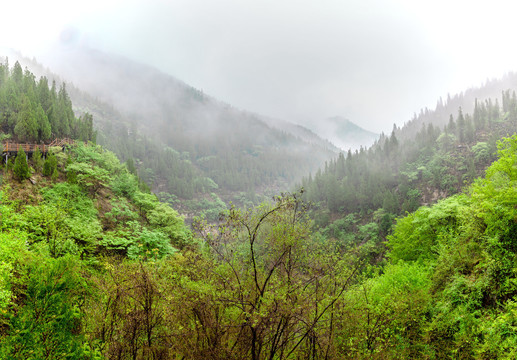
pixel 12 147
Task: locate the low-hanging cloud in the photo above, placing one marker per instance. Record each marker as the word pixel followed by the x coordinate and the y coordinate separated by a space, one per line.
pixel 374 62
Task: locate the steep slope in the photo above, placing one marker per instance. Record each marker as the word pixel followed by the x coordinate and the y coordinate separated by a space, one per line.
pixel 447 287
pixel 57 232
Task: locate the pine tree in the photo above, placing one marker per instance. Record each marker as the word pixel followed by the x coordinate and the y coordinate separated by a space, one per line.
pixel 50 165
pixel 26 128
pixel 44 94
pixel 451 127
pixel 130 164
pixel 461 126
pixel 37 160
pixel 44 130
pixel 21 168
pixel 17 74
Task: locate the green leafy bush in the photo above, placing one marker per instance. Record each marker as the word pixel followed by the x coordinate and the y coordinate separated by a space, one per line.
pixel 150 244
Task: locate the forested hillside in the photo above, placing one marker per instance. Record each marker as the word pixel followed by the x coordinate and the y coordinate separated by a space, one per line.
pixel 184 143
pixel 84 211
pixel 395 176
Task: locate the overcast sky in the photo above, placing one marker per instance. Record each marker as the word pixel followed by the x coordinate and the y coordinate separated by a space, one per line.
pixel 373 62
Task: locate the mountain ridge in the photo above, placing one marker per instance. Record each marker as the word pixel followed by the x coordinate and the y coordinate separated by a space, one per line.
pixel 182 141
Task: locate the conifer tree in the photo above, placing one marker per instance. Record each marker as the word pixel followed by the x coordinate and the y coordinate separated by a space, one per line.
pixel 461 126
pixel 21 168
pixel 17 74
pixel 37 160
pixel 26 128
pixel 50 165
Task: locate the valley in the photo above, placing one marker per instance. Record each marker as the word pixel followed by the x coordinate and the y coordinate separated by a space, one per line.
pixel 177 226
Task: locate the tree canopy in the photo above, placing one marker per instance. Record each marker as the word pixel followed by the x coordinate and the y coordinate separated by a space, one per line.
pixel 33 112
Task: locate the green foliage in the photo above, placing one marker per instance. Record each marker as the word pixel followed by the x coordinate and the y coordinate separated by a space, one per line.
pixel 50 165
pixel 130 310
pixel 120 212
pixel 481 152
pixel 166 219
pixel 67 223
pixel 71 177
pixel 96 156
pixel 71 198
pixel 210 209
pixel 54 236
pixel 48 323
pixel 149 245
pixel 130 165
pixel 263 266
pixel 21 168
pixel 137 242
pixel 117 242
pixel 86 266
pixel 500 333
pixel 386 314
pixel 13 254
pixel 125 184
pixel 55 175
pixel 415 237
pixel 446 141
pixel 416 165
pixel 37 160
pixel 470 242
pixel 145 202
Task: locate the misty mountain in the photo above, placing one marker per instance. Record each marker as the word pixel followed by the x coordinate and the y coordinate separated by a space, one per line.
pixel 301 132
pixel 344 133
pixel 184 142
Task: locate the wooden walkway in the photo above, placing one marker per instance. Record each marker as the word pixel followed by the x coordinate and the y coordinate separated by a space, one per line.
pixel 11 148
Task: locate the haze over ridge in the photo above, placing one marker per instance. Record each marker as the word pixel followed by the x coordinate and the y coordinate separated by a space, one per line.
pixel 372 62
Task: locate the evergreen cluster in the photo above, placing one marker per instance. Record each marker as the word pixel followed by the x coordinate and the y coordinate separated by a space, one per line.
pixel 33 112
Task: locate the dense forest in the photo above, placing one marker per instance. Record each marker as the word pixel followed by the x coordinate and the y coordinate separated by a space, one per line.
pixel 94 266
pixel 33 111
